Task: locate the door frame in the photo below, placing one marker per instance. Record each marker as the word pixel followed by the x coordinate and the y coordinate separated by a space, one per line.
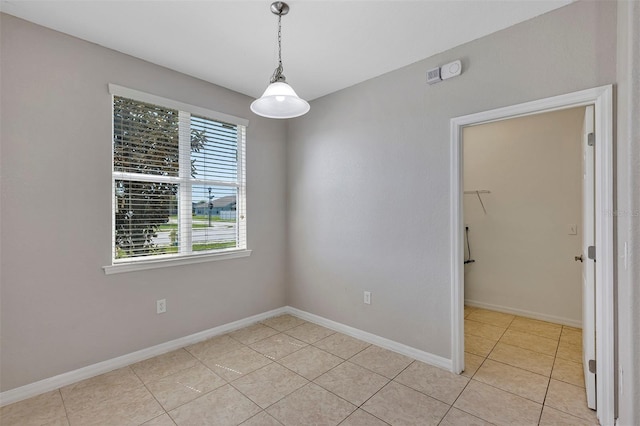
pixel 602 100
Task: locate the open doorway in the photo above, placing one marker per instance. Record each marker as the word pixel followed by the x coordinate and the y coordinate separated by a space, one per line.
pixel 600 99
pixel 528 217
pixel 522 211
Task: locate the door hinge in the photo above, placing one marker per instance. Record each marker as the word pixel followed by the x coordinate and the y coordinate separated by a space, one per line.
pixel 591 252
pixel 592 366
pixel 591 139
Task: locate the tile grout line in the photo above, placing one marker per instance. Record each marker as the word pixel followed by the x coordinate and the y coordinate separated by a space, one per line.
pixel 431 396
pixel 393 379
pixel 359 407
pixel 478 369
pixel 152 394
pixel 257 414
pixel 284 366
pixel 549 378
pixel 275 402
pixel 201 363
pixel 483 362
pixel 66 413
pixel 198 397
pixel 276 361
pixel 544 400
pixel 347 359
pixel 513 393
pixel 144 385
pixel 227 382
pixel 517 368
pixel 409 387
pixel 454 401
pixel 458 397
pixel 466 412
pixel 141 385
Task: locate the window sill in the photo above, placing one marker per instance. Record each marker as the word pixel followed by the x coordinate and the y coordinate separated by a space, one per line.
pixel 164 263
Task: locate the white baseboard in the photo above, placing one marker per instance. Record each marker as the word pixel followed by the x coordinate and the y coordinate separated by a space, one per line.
pixel 64 379
pixel 400 348
pixel 523 313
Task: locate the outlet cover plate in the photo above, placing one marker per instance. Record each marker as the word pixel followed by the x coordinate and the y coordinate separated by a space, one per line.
pixel 161 306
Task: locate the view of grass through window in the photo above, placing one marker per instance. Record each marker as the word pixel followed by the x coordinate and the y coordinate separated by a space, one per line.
pixel 163 204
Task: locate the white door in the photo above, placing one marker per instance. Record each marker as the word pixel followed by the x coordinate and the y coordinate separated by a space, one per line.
pixel 588 265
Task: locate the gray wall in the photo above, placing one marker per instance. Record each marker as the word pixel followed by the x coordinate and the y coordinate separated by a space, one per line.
pixel 371 151
pixel 369 171
pixel 59 310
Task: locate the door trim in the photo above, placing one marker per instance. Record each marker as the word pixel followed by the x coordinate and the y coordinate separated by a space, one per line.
pixel 602 100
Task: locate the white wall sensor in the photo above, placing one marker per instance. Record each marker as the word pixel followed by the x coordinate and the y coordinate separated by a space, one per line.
pixel 451 69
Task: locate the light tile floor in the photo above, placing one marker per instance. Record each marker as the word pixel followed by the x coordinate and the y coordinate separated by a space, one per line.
pixel 285 371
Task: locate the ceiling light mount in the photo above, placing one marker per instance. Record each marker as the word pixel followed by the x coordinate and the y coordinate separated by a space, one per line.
pixel 279 8
pixel 279 100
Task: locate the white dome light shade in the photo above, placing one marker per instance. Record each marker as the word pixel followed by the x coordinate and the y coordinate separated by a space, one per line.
pixel 280 101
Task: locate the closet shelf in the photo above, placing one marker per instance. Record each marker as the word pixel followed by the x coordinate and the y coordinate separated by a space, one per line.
pixel 478 192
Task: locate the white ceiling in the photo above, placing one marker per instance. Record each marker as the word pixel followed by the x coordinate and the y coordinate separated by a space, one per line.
pixel 327 45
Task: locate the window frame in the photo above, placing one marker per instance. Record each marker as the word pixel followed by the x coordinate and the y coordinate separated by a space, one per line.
pixel 185 182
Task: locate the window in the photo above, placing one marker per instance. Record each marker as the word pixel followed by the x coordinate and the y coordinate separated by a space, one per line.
pixel 178 180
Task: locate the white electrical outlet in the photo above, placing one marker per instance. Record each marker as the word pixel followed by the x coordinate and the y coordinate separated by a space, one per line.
pixel 367 297
pixel 161 306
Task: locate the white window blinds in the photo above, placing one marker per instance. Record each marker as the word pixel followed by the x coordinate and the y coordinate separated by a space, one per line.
pixel 178 179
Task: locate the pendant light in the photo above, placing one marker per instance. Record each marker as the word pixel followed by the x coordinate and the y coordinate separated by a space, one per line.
pixel 279 100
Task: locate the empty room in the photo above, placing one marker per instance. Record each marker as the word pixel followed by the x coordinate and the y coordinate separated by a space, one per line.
pixel 433 219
